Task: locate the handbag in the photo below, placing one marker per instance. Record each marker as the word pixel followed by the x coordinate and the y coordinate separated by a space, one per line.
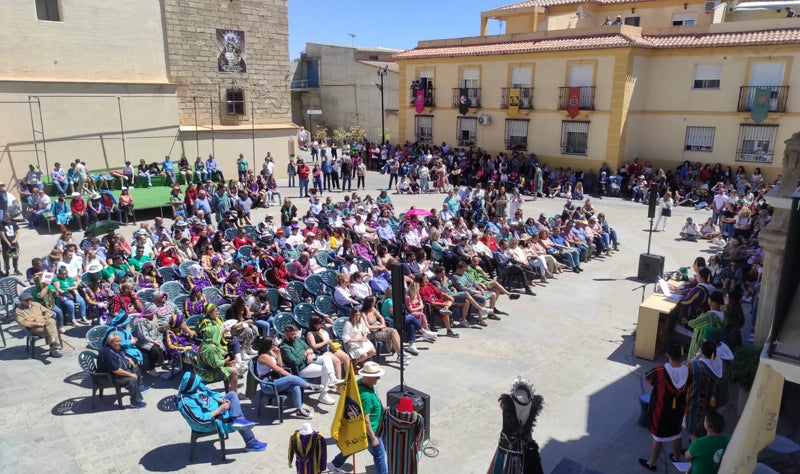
pixel 666 212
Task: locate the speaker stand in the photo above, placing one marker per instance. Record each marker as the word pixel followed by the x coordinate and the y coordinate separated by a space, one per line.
pixel 650 236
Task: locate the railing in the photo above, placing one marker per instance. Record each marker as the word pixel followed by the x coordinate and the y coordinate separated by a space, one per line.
pixel 586 98
pixel 311 83
pixel 424 138
pixel 777 99
pixel 469 142
pixel 472 97
pixel 430 98
pixel 517 143
pixel 525 98
pixel 750 156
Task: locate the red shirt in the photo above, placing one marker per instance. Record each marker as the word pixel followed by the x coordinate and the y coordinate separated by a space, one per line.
pixel 239 241
pixel 303 171
pixel 78 205
pixel 431 294
pixel 165 260
pixel 489 242
pixel 190 196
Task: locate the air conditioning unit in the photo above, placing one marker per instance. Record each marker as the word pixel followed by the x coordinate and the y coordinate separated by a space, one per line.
pixel 710 5
pixel 484 119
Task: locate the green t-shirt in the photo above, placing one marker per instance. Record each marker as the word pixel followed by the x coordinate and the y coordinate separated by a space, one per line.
pixel 65 283
pixel 371 405
pixel 137 263
pixel 111 271
pixel 707 453
pixel 386 309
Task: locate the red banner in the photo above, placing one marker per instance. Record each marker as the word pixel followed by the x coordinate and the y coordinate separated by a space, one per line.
pixel 573 101
pixel 420 101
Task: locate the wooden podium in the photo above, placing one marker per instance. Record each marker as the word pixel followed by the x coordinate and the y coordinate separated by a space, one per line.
pixel 652 328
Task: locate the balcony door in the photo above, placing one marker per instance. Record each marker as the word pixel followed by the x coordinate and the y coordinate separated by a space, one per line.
pixel 582 76
pixel 470 81
pixel 521 77
pixel 766 74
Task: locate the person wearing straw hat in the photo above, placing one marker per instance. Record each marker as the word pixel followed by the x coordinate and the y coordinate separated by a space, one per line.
pixel 38 320
pixel 370 375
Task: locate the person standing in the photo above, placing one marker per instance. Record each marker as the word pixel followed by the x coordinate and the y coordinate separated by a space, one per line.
pixel 241 166
pixel 373 412
pixel 667 405
pixel 291 171
pixel 705 372
pixel 347 173
pixel 10 244
pixel 326 167
pixel 303 171
pixel 666 211
pixel 361 173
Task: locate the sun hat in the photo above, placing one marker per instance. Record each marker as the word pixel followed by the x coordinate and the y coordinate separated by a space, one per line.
pixel 95 195
pixel 371 369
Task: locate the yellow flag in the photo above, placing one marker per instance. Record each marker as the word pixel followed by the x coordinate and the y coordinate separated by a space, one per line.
pixel 513 101
pixel 348 427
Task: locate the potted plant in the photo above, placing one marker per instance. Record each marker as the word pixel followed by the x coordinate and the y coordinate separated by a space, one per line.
pixel 743 371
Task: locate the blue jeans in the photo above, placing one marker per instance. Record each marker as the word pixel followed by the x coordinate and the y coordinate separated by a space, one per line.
pixel 303 187
pixel 69 306
pixel 378 457
pixel 264 325
pixel 291 385
pixel 412 326
pixel 235 411
pixel 571 259
pixel 58 315
pixel 62 186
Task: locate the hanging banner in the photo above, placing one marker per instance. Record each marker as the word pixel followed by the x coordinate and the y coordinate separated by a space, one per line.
pixel 419 103
pixel 761 100
pixel 513 101
pixel 231 51
pixel 463 102
pixel 573 101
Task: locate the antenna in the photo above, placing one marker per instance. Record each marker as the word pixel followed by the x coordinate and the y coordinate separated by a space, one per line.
pixel 352 38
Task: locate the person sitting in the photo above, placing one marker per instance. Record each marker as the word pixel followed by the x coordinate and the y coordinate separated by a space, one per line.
pixel 342 295
pixel 149 278
pixel 214 360
pixel 123 369
pixel 319 340
pixel 301 360
pixel 197 277
pixel 689 231
pixel 38 320
pixel 355 336
pixel 440 304
pixel 179 338
pixel 301 268
pixel 126 300
pixel 377 326
pixel 207 411
pixel 269 365
pixel 149 340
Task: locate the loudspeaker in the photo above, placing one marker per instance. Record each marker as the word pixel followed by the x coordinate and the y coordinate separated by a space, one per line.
pixel 422 403
pixel 650 266
pixel 651 203
pixel 398 297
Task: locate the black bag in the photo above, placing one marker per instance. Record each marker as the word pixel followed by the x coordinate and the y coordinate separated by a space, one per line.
pixel 666 212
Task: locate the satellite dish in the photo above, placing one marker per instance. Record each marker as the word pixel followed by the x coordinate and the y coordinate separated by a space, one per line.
pixel 579 13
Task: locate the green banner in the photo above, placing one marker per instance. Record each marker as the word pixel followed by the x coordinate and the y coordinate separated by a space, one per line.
pixel 761 100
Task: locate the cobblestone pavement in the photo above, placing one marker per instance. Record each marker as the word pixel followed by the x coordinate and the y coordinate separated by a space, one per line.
pixel 572 341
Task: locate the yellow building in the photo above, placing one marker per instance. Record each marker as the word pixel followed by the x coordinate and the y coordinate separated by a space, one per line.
pixel 671 81
pixel 140 79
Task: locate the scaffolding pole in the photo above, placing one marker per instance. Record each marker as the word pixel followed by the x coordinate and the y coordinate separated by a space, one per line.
pixel 196 137
pixel 211 109
pixel 122 131
pixel 253 131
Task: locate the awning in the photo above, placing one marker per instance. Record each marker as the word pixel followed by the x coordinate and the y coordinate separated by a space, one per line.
pixel 748 6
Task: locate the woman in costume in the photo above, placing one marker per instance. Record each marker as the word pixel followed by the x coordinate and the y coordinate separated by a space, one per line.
pixel 217 274
pixel 197 277
pixel 149 278
pixel 195 303
pixel 179 338
pixel 517 452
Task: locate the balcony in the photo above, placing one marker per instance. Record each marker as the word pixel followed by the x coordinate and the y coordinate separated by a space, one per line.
pixel 777 99
pixel 514 143
pixel 525 98
pixel 430 98
pixel 586 98
pixel 473 97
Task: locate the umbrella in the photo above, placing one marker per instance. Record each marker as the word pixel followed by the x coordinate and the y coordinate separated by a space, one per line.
pixel 418 213
pixel 103 227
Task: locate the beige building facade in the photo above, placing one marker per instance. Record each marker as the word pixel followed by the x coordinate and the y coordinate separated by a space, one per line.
pixel 661 92
pixel 110 82
pixel 340 81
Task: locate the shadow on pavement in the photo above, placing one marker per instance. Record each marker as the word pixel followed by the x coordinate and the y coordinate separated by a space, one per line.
pixel 174 457
pixel 167 404
pixel 83 406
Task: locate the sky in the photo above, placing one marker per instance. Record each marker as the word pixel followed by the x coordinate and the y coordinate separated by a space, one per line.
pixel 386 23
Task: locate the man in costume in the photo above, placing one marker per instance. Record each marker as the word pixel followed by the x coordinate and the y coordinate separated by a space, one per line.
pixel 667 405
pixel 517 452
pixel 704 374
pixel 404 432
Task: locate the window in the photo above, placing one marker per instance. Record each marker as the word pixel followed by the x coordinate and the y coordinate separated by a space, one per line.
pixel 707 76
pixel 756 143
pixel 47 10
pixel 234 102
pixel 470 78
pixel 425 82
pixel 574 137
pixel 699 138
pixel 632 20
pixel 516 134
pixel 683 19
pixel 466 127
pixel 424 128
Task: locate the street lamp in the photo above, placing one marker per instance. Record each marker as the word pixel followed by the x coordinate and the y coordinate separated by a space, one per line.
pixel 382 71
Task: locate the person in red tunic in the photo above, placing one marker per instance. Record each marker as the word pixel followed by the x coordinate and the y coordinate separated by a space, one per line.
pixel 667 405
pixel 78 208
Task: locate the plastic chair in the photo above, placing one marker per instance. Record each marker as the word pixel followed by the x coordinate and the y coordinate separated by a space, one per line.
pixel 329 278
pixel 223 308
pixel 338 326
pixel 30 342
pixel 315 286
pixel 323 260
pixel 231 233
pixel 100 380
pixel 147 295
pixel 9 294
pixel 295 290
pixel 253 235
pixel 364 265
pixel 95 335
pixel 173 289
pixel 282 319
pixel 168 273
pixel 192 321
pixel 274 296
pixel 179 301
pixel 325 306
pixel 183 269
pixel 214 295
pixel 302 313
pixel 268 390
pixel 201 434
pixel 246 251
